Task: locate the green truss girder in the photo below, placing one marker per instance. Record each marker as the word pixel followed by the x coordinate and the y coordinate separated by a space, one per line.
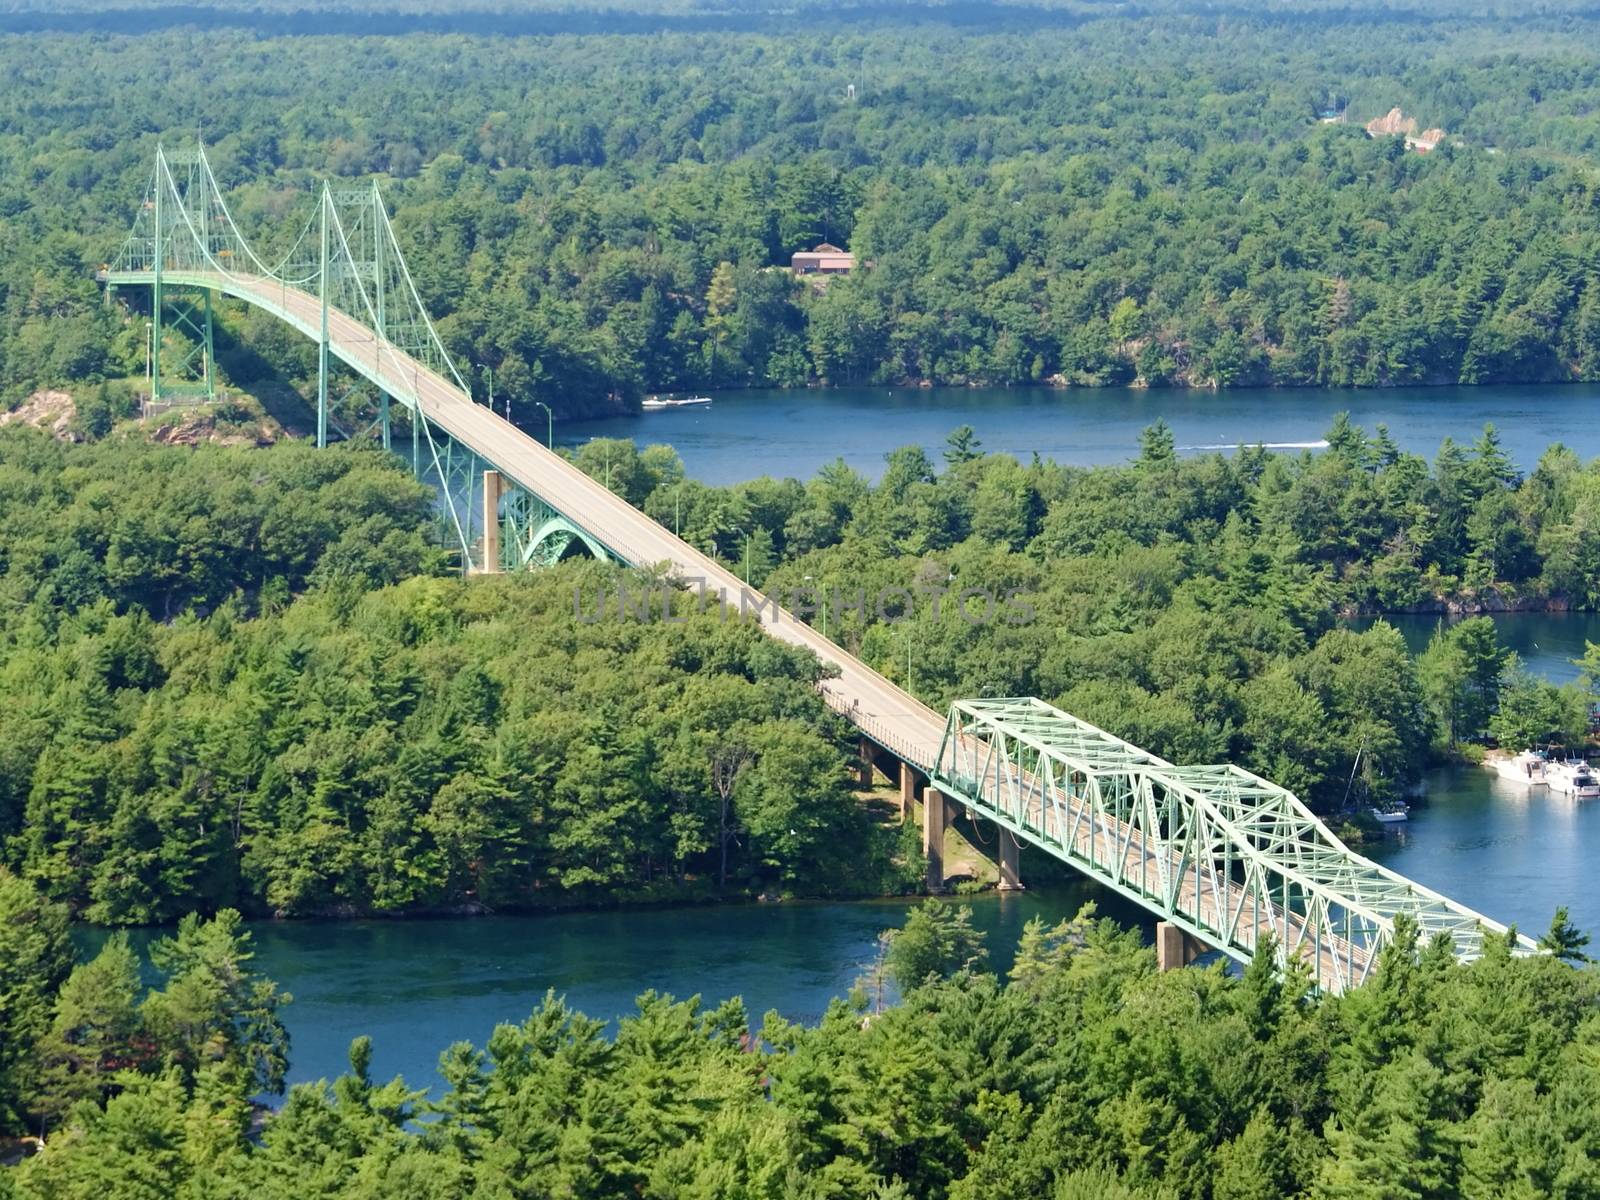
pixel 1223 853
pixel 534 534
pixel 347 255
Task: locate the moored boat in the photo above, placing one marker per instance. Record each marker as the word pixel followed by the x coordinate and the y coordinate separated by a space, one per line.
pixel 1527 768
pixel 1391 816
pixel 1574 778
pixel 656 403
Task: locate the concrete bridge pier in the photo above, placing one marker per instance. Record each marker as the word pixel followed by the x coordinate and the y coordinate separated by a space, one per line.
pixel 491 522
pixel 1175 947
pixel 864 765
pixel 1010 860
pixel 870 757
pixel 937 813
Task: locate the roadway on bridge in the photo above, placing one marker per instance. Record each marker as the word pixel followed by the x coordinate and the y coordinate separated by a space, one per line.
pixel 881 710
pixel 886 713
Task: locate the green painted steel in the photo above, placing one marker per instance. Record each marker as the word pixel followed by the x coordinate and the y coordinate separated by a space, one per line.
pixel 184 237
pixel 1222 853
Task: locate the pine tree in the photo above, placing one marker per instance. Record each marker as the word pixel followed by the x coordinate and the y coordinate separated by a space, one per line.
pixel 94 1030
pixel 1565 940
pixel 35 958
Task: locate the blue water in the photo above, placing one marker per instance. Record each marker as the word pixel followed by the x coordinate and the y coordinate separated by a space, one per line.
pixel 417 986
pixel 745 434
pixel 1547 643
pixel 1512 853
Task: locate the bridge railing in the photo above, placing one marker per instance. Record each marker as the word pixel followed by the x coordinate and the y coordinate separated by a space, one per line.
pixel 878 730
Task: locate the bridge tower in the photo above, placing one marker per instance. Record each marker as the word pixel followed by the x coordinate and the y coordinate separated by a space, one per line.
pixel 180 344
pixel 343 283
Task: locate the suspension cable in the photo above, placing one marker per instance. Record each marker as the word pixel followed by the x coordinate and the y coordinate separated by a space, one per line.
pixel 216 192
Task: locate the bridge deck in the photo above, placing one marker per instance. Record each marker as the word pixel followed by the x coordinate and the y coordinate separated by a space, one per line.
pixel 881 710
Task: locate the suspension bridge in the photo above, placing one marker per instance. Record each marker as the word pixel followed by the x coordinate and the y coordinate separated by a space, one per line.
pixel 1223 858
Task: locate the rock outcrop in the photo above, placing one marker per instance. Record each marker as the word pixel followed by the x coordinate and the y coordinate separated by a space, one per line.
pixel 1391 123
pixel 51 411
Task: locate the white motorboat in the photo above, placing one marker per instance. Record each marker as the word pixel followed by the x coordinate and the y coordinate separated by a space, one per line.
pixel 1391 816
pixel 656 403
pixel 1574 778
pixel 1527 768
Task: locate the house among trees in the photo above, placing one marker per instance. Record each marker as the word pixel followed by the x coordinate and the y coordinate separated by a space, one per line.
pixel 826 259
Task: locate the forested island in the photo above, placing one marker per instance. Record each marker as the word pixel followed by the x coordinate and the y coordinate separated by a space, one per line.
pixel 1075 194
pixel 240 679
pixel 1083 1076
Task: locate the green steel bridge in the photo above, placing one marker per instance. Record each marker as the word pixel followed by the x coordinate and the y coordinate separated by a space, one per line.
pixel 1224 858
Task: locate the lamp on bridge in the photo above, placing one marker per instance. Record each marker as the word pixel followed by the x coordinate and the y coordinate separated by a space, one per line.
pixel 822 602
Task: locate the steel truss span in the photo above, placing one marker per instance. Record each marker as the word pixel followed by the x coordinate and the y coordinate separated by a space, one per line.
pixel 1224 854
pixel 1227 856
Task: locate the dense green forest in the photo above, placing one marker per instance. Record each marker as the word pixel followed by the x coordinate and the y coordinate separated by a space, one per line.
pixel 185 729
pixel 1190 604
pixel 1083 1076
pixel 1074 194
pixel 238 678
pixel 246 682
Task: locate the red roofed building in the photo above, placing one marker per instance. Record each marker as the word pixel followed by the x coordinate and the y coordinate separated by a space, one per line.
pixel 826 259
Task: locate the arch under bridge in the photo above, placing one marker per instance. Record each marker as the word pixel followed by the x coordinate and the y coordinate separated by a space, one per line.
pixel 1216 853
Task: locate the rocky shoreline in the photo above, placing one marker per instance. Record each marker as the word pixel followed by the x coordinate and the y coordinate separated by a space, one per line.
pixel 1487 602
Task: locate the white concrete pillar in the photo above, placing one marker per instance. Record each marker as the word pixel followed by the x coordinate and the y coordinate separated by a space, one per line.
pixel 491 522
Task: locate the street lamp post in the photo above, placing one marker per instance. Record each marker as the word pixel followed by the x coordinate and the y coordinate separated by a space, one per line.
pixel 549 423
pixel 822 603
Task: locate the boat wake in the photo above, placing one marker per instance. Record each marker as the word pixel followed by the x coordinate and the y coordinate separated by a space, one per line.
pixel 1319 444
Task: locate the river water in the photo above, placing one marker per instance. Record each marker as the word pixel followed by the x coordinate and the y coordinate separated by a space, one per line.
pixel 416 986
pixel 1512 853
pixel 744 434
pixel 1547 643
